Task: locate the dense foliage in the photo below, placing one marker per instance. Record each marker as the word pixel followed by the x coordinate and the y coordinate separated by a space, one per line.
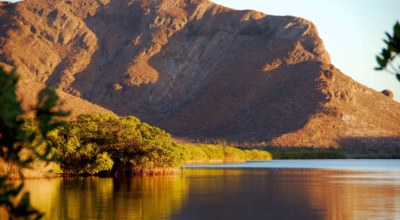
pixel 20 148
pixel 123 145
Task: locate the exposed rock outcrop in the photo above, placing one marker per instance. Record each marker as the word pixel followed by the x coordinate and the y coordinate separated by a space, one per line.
pixel 388 93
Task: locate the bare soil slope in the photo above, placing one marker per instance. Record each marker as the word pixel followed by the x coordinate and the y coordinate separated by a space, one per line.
pixel 197 69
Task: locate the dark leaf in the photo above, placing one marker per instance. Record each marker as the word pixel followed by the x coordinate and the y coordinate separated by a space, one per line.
pixel 388 36
pixel 381 62
pixel 396 31
pixel 398 76
pixel 386 54
pixel 14 192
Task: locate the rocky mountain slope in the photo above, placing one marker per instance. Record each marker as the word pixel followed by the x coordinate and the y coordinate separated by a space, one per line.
pixel 197 69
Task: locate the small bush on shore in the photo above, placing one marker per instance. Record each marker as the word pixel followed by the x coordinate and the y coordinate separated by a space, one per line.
pixel 203 153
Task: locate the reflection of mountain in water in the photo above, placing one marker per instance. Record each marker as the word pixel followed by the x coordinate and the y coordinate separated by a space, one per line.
pixel 288 194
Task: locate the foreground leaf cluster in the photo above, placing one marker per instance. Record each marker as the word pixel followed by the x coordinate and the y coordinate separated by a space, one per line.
pixel 386 59
pixel 20 148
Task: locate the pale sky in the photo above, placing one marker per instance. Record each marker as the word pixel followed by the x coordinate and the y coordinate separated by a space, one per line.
pixel 352 31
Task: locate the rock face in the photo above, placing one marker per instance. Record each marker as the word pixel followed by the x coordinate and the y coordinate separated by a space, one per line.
pixel 197 69
pixel 388 93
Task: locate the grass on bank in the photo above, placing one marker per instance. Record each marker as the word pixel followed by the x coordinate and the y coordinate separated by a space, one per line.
pixel 206 153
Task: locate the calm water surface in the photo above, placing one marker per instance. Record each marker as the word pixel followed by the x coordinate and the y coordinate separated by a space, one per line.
pixel 287 189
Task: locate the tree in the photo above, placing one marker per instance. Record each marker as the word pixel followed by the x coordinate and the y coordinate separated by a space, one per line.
pixel 115 145
pixel 21 148
pixel 388 55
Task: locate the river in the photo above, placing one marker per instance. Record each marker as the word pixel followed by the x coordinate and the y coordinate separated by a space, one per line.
pixel 278 189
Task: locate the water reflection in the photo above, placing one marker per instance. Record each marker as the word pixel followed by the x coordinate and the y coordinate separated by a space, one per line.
pixel 291 194
pixel 108 198
pixel 357 195
pixel 224 194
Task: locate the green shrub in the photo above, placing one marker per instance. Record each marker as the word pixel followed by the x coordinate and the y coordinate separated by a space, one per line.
pixel 193 153
pixel 233 154
pixel 258 155
pixel 96 143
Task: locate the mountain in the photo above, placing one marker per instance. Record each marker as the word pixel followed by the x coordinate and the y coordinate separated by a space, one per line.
pixel 197 69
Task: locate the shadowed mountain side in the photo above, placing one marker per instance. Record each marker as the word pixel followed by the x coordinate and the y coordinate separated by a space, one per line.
pixel 350 110
pixel 114 27
pixel 201 81
pixel 266 106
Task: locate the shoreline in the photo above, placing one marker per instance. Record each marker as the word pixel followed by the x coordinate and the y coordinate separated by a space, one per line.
pixel 220 164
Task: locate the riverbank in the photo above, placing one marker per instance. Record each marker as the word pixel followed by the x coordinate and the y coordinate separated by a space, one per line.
pixel 191 154
pixel 194 153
